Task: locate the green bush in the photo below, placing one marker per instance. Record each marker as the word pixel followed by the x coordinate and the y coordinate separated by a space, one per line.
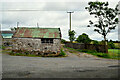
pixel 71 35
pixel 111 45
pixel 102 55
pixel 63 41
pixel 62 53
pixel 18 54
pixel 95 42
pixel 84 38
pixel 2 47
pixel 26 52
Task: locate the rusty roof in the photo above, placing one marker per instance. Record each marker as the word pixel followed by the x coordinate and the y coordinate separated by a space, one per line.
pixel 25 32
pixel 7 32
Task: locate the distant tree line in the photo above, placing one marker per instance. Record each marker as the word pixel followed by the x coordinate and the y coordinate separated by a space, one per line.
pixel 84 38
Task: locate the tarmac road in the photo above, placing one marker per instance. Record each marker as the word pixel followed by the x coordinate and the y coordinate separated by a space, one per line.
pixel 66 67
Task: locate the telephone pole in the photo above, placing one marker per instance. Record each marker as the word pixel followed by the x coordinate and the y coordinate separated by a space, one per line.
pixel 70 17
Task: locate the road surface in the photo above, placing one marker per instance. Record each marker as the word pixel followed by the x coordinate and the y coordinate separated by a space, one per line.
pixel 73 66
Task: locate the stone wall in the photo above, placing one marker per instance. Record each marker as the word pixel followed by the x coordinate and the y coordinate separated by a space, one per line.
pixel 98 48
pixel 7 41
pixel 34 46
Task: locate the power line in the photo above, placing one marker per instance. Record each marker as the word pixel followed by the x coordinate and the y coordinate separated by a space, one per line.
pixel 34 10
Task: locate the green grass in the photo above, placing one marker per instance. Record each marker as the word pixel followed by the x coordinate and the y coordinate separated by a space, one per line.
pixel 112 54
pixel 114 51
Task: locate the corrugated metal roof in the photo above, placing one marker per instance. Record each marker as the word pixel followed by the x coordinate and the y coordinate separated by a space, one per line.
pixel 7 32
pixel 24 32
pixel 6 35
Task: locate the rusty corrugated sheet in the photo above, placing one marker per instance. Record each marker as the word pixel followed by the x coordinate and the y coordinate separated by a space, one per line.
pixel 23 32
pixel 7 32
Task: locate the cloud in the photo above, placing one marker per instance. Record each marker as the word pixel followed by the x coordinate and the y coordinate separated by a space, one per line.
pixel 52 14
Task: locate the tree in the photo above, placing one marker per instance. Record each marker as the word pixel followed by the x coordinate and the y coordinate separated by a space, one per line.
pixel 71 35
pixel 111 45
pixel 63 41
pixel 95 42
pixel 110 40
pixel 83 38
pixel 107 18
pixel 13 29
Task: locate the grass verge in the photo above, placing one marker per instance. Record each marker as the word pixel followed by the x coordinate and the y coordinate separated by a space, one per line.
pixel 112 54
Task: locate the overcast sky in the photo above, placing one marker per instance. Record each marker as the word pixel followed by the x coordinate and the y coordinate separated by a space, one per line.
pixel 51 14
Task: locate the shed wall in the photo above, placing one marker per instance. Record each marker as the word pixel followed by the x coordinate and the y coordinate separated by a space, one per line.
pixel 35 46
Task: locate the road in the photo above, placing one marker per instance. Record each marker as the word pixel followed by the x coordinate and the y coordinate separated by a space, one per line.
pixel 73 66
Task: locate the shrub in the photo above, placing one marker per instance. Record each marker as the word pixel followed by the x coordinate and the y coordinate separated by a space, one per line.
pixel 63 41
pixel 71 35
pixel 95 42
pixel 62 53
pixel 111 45
pixel 102 55
pixel 18 54
pixel 26 52
pixel 84 38
pixel 3 47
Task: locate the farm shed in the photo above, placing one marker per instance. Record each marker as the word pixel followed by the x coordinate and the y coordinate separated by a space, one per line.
pixel 37 41
pixel 7 34
pixel 7 37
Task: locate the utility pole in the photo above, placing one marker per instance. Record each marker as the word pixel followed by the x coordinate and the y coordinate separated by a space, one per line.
pixel 70 17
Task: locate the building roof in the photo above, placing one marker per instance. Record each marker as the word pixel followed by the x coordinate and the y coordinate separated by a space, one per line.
pixel 7 34
pixel 24 32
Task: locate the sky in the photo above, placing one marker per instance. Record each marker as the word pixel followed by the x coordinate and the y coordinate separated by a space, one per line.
pixel 52 14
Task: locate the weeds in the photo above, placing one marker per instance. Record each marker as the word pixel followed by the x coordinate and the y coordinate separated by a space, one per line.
pixel 2 47
pixel 61 54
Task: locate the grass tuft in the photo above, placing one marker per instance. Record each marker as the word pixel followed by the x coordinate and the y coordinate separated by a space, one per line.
pixel 62 53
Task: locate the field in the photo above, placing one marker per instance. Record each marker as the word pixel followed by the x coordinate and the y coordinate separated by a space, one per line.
pixel 117 45
pixel 114 53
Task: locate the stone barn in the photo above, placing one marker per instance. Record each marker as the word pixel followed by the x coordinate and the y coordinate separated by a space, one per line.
pixel 38 41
